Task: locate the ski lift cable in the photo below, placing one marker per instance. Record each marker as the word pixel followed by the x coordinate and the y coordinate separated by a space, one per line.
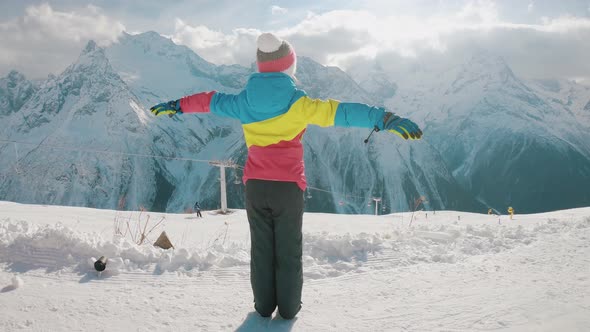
pixel 332 192
pixel 145 155
pixel 107 152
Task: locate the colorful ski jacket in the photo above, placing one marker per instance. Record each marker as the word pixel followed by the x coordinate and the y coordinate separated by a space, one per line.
pixel 274 115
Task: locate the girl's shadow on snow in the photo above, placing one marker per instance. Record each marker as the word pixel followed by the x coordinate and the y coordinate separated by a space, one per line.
pixel 255 322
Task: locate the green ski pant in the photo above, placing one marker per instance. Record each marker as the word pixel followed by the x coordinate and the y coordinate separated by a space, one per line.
pixel 275 215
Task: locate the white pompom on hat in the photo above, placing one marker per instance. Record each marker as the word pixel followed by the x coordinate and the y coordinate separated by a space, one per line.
pixel 268 43
pixel 275 55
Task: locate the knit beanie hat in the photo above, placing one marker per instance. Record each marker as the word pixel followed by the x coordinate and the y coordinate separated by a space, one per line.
pixel 275 55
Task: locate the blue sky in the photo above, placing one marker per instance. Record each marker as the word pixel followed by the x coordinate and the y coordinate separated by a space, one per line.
pixel 538 38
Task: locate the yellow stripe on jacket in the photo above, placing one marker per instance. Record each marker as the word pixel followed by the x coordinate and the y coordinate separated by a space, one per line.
pixel 287 126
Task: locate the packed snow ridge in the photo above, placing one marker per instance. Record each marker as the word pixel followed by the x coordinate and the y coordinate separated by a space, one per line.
pixel 60 248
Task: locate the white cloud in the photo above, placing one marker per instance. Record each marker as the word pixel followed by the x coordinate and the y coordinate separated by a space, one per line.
pixel 337 35
pixel 531 6
pixel 562 24
pixel 555 47
pixel 45 40
pixel 276 10
pixel 480 12
pixel 214 46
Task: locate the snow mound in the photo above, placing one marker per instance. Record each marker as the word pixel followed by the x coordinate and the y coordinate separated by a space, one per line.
pixel 25 246
pixel 17 282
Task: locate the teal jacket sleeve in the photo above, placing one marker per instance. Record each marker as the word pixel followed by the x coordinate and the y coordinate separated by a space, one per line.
pixel 359 115
pixel 228 105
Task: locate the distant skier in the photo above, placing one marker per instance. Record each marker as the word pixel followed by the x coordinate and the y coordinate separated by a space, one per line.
pixel 197 209
pixel 274 114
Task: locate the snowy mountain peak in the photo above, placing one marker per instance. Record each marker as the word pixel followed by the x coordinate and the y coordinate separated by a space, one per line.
pixel 88 82
pixel 85 109
pixel 485 58
pixel 156 69
pixel 375 80
pixel 147 37
pixel 321 81
pixel 15 76
pixel 308 62
pixel 92 57
pixel 551 85
pixel 148 40
pixel 90 47
pixel 15 90
pixel 155 44
pixel 486 68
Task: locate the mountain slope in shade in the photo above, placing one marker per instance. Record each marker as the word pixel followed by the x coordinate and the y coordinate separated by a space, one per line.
pixel 489 136
pixel 506 143
pixel 397 171
pixel 189 74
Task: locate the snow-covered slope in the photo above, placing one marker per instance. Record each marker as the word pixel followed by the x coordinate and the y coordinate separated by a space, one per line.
pixel 566 96
pixel 447 271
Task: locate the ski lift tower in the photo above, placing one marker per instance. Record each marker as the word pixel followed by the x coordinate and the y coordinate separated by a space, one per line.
pixel 222 164
pixel 377 200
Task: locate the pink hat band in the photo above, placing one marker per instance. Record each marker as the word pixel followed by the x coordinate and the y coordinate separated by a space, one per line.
pixel 277 64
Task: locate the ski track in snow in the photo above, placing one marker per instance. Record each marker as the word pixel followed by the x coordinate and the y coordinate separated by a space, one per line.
pixel 439 274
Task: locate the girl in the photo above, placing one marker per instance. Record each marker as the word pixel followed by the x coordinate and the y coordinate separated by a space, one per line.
pixel 274 115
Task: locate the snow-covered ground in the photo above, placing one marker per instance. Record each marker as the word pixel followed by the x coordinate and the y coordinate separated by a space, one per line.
pixel 449 271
